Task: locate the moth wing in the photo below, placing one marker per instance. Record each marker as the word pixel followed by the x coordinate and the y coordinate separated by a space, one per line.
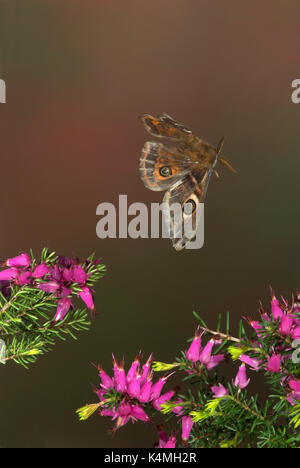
pixel 161 166
pixel 187 193
pixel 164 126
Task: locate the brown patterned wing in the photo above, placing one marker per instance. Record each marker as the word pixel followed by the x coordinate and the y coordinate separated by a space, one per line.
pixel 187 193
pixel 161 166
pixel 165 126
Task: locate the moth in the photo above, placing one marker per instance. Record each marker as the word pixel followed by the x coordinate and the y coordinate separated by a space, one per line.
pixel 182 167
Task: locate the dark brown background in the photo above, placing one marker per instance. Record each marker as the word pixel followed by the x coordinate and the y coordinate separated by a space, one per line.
pixel 78 74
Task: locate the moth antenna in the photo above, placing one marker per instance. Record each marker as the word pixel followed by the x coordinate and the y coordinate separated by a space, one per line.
pixel 220 145
pixel 226 163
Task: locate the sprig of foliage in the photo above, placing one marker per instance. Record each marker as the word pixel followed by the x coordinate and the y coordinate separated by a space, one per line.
pixel 213 411
pixel 29 300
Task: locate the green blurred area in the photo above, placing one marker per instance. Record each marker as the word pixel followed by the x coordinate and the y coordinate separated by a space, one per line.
pixel 78 74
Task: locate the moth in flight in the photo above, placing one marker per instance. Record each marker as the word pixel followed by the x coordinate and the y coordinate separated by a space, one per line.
pixel 182 168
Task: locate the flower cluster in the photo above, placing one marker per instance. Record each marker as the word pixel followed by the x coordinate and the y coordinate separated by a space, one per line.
pixel 204 355
pixel 133 396
pixel 39 305
pixel 61 276
pixel 217 412
pixel 280 329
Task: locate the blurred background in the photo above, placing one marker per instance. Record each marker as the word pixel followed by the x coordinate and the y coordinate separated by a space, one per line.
pixel 78 74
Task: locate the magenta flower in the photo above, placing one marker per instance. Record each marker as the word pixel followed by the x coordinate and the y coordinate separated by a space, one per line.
pixel 50 287
pixel 137 412
pixel 241 378
pixel 158 386
pixel 22 260
pixel 205 355
pixel 146 389
pixel 171 442
pixel 106 381
pixel 162 399
pixel 214 361
pixel 274 363
pixel 192 354
pixel 87 298
pixel 186 424
pixel 178 410
pixel 78 274
pixel 63 307
pixel 285 325
pixel 146 367
pixel 165 441
pixel 9 274
pixel 134 367
pixel 295 333
pixel 295 391
pixel 134 386
pixel 276 310
pixel 253 363
pixel 219 391
pixel 119 376
pixel 40 271
pixel 24 278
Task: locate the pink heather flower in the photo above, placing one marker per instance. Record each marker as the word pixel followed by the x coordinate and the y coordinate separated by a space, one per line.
pixel 295 334
pixel 137 412
pixel 119 377
pixel 276 310
pixel 171 443
pixel 219 391
pixel 178 410
pixel 205 355
pixel 186 424
pixel 241 377
pixel 49 287
pixel 56 273
pixel 78 274
pixel 164 441
pixel 40 271
pixel 158 386
pixel 146 389
pixel 134 367
pixel 274 363
pixel 295 385
pixel 22 260
pixel 192 354
pixel 134 386
pixel 253 363
pixel 9 274
pixel 162 437
pixel 24 278
pixel 87 298
pixel 295 391
pixel 67 274
pixel 214 361
pixel 162 399
pixel 146 367
pixel 285 325
pixel 255 325
pixel 63 307
pixel 106 381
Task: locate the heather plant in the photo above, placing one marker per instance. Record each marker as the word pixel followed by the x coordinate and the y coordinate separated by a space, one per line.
pixel 42 301
pixel 213 410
